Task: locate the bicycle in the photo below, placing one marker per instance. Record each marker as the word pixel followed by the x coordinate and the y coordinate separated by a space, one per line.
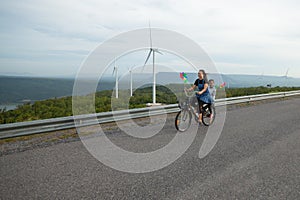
pixel 187 110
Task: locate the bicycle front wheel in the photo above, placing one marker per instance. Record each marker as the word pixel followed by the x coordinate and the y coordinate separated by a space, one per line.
pixel 183 120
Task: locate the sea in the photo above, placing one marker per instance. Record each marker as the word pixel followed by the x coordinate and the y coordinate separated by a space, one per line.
pixel 10 106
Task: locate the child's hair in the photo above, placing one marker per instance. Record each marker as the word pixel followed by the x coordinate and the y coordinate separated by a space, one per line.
pixel 211 80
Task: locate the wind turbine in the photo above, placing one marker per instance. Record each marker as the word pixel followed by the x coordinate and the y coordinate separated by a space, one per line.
pixel 115 71
pixel 261 76
pixel 286 76
pixel 130 72
pixel 152 51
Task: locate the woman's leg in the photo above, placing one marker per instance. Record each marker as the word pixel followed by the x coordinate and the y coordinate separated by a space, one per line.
pixel 209 107
pixel 201 103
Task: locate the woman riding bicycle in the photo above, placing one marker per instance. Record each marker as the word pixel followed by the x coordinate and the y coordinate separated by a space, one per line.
pixel 202 95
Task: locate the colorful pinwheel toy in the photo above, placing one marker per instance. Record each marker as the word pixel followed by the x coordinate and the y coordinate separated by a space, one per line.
pixel 222 85
pixel 183 76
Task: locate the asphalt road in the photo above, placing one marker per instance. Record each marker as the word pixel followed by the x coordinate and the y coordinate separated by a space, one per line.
pixel 256 157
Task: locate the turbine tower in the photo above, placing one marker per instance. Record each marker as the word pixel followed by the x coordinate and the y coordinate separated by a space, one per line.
pixel 115 71
pixel 152 51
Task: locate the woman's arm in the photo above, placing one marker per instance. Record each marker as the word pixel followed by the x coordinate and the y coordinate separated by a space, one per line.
pixel 204 89
pixel 191 88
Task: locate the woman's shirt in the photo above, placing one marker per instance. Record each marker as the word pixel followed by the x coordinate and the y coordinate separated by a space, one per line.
pixel 198 81
pixel 205 96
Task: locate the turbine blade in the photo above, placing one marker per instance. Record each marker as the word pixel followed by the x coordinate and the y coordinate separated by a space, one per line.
pixel 131 68
pixel 287 72
pixel 156 50
pixel 148 56
pixel 115 67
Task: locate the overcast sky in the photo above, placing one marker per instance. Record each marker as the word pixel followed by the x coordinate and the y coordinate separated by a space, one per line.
pixel 53 37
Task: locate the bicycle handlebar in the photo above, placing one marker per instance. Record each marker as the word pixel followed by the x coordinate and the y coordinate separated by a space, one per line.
pixel 186 94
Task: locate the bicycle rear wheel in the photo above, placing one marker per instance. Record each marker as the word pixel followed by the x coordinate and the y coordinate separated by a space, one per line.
pixel 206 116
pixel 183 120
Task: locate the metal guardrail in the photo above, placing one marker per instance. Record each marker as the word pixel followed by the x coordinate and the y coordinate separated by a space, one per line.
pixel 55 124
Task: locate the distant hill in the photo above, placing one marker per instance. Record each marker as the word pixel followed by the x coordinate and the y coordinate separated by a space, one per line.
pixel 234 80
pixel 15 89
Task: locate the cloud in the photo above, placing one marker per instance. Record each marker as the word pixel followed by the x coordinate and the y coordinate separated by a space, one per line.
pixel 237 34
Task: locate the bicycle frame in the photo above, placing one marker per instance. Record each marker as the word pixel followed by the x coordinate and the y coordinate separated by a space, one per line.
pixel 189 108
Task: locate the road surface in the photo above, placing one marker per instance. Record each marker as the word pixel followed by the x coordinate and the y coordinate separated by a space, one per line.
pixel 256 157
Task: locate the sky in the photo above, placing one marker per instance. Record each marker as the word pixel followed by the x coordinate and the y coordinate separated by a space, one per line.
pixel 53 38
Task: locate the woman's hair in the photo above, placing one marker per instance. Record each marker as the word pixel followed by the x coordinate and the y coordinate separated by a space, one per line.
pixel 204 75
